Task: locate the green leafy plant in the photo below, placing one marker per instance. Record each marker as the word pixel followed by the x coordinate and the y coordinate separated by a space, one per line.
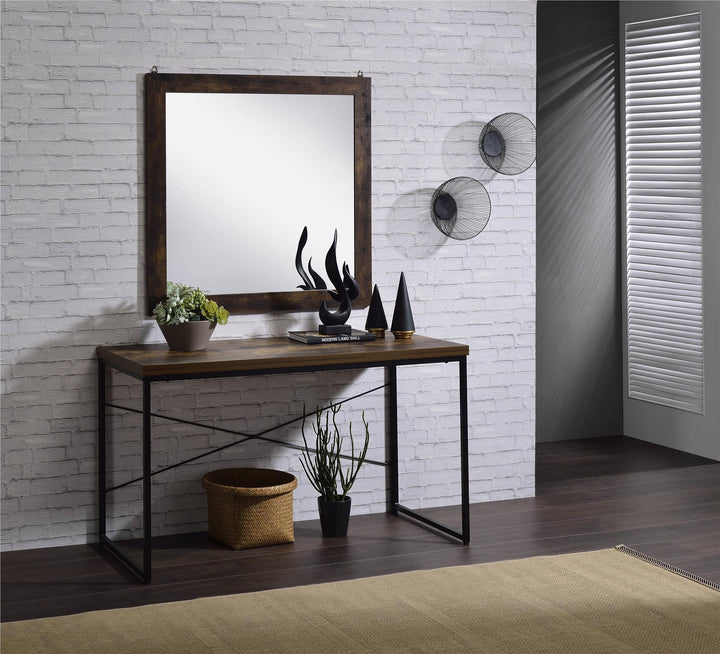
pixel 184 304
pixel 323 463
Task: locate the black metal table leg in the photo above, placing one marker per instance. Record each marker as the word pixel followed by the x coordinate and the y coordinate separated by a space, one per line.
pixel 102 479
pixel 147 483
pixel 464 534
pixel 393 497
pixel 464 453
pixel 144 572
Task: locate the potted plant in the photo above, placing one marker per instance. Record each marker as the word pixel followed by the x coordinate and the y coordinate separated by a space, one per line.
pixel 324 468
pixel 187 318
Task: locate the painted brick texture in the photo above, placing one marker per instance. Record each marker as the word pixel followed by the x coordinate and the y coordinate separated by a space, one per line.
pixel 73 252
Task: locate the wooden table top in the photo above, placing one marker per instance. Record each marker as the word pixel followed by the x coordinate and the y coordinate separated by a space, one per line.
pixel 257 355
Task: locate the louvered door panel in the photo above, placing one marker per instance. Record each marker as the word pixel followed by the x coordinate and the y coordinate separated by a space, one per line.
pixel 664 212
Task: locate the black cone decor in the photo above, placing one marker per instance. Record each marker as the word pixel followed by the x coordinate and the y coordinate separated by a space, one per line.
pixel 376 322
pixel 403 325
pixel 460 208
pixel 507 143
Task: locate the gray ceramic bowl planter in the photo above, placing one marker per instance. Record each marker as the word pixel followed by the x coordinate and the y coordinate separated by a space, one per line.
pixel 189 336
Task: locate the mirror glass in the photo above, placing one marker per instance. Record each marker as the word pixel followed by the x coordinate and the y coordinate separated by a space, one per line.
pixel 250 169
pixel 237 166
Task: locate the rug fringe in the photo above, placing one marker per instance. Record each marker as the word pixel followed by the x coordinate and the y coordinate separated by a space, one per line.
pixel 666 566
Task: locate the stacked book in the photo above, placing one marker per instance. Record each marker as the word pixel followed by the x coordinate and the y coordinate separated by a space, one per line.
pixel 316 337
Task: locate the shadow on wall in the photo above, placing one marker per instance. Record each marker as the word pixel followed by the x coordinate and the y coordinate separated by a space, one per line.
pixel 461 153
pixel 461 158
pixel 50 422
pixel 71 349
pixel 579 379
pixel 414 235
pixel 247 421
pixel 239 422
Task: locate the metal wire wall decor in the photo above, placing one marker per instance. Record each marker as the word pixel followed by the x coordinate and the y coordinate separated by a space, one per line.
pixel 507 143
pixel 460 208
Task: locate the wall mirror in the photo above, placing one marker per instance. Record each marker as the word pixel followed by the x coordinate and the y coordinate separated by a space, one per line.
pixel 237 166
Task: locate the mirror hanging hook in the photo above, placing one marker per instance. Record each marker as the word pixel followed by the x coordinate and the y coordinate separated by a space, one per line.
pixel 154 69
pixel 360 73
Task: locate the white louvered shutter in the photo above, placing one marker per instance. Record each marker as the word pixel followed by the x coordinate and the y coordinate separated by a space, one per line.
pixel 664 212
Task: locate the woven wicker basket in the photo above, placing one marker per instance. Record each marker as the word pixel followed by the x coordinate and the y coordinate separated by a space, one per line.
pixel 250 507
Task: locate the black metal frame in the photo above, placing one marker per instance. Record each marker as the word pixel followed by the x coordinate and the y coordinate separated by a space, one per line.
pixel 394 507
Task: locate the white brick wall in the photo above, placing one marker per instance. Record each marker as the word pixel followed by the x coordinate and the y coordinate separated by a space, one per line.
pixel 73 244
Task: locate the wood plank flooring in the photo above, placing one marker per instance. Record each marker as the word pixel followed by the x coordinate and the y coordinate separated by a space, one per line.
pixel 591 494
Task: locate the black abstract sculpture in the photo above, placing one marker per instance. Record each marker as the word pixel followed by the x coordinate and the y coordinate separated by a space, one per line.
pixel 346 287
pixel 460 208
pixel 507 143
pixel 333 322
pixel 403 325
pixel 376 322
pixel 346 290
pixel 316 282
pixel 345 284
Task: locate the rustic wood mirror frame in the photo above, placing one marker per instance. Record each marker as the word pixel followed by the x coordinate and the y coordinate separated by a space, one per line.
pixel 157 85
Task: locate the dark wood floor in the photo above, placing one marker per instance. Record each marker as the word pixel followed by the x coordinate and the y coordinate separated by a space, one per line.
pixel 591 494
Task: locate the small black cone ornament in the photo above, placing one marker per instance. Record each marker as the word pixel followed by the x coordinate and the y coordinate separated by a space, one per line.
pixel 376 321
pixel 403 325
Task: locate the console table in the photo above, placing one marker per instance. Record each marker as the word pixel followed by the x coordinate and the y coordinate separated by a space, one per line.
pixel 271 356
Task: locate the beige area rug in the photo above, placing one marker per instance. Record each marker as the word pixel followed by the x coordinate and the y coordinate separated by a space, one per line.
pixel 606 601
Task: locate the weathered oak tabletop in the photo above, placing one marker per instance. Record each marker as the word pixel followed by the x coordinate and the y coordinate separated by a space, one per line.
pixel 255 355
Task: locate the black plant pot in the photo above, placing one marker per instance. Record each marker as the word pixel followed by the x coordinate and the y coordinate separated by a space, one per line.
pixel 334 517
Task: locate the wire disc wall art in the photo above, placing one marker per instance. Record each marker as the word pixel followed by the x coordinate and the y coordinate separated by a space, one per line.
pixel 460 208
pixel 507 143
